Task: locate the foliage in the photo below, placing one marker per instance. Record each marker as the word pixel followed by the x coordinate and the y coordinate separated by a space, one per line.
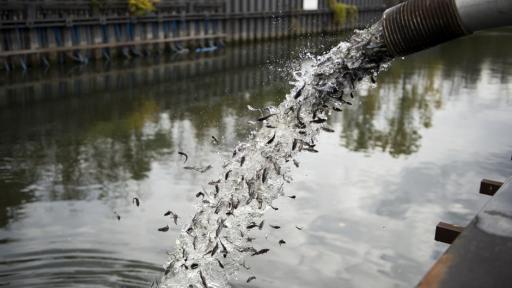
pixel 141 7
pixel 343 12
pixel 98 5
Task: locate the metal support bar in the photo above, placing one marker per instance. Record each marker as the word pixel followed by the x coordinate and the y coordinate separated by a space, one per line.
pixel 482 255
pixel 489 187
pixel 447 233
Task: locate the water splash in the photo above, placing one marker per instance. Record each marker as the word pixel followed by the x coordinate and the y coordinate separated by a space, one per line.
pixel 212 248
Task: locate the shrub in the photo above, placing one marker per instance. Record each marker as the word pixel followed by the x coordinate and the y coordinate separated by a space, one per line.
pixel 343 12
pixel 141 7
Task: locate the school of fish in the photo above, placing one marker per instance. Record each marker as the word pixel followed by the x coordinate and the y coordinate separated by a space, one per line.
pixel 211 249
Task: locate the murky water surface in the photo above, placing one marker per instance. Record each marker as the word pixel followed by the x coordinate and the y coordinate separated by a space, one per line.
pixel 78 143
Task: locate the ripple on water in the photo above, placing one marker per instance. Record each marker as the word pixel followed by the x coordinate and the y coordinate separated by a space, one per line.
pixel 74 267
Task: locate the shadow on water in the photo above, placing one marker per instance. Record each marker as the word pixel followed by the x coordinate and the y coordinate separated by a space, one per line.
pixel 76 144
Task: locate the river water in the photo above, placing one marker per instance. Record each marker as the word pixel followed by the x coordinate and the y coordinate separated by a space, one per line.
pixel 78 143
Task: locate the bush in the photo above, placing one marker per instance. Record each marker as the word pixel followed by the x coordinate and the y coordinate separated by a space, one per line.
pixel 141 7
pixel 343 12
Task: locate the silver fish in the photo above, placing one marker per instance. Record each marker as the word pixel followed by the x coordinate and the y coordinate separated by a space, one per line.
pixel 184 155
pixel 250 279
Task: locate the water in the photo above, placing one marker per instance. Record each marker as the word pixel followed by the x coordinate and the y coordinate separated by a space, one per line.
pixel 254 176
pixel 410 154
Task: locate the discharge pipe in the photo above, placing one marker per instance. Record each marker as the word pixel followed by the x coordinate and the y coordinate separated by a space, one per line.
pixel 416 25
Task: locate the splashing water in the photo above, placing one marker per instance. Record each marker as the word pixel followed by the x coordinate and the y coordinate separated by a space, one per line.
pixel 212 248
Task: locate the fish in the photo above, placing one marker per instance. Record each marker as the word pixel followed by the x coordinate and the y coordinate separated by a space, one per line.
pixel 168 269
pixel 117 216
pixel 251 278
pixel 206 168
pixel 242 161
pixel 309 149
pixel 194 266
pixel 215 141
pixel 227 175
pixel 281 242
pixel 189 231
pixel 292 197
pixel 315 113
pixel 194 242
pixel 318 121
pixel 184 254
pixel 250 191
pixel 168 213
pixel 203 280
pixel 259 198
pixel 195 219
pixel 296 163
pixel 248 249
pixel 252 108
pixel 220 263
pixel 299 92
pixel 219 228
pixel 261 119
pixel 337 109
pixel 277 168
pixel 252 225
pixel 219 207
pixel 275 227
pixel 275 208
pixel 184 155
pixel 198 194
pixel 260 226
pixel 295 143
pixel 264 176
pixel 224 249
pixel 175 218
pixel 270 126
pixel 327 129
pixel 271 139
pixel 136 200
pixel 300 124
pixel 262 251
pixel 299 228
pixel 215 248
pixel 217 189
pixel 214 182
pixel 198 169
pixel 164 229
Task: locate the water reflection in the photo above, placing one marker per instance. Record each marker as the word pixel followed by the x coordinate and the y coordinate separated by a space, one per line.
pixel 77 144
pixel 389 117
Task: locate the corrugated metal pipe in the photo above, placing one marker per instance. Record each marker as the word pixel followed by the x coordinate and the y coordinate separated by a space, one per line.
pixel 416 25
